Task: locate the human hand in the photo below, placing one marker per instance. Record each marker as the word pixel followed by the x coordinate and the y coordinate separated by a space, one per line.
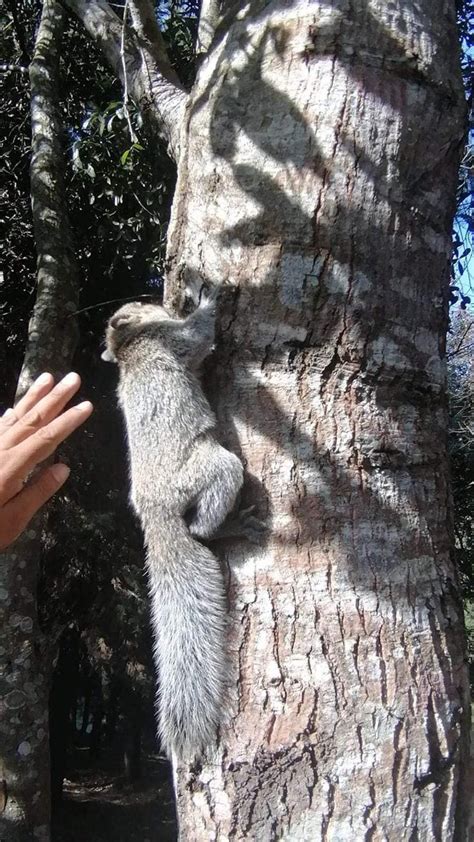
pixel 30 433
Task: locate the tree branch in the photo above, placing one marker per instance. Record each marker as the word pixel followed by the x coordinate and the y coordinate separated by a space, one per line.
pixel 150 37
pixel 12 7
pixel 208 21
pixel 460 344
pixel 151 81
pixel 18 67
pixel 52 337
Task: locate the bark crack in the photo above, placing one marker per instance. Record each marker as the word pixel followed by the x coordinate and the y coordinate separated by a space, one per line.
pixel 382 666
pixel 326 820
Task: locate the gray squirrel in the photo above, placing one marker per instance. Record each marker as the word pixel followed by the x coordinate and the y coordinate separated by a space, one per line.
pixel 183 486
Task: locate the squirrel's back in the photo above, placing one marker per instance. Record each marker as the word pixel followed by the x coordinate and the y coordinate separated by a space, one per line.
pixel 165 408
pixel 183 482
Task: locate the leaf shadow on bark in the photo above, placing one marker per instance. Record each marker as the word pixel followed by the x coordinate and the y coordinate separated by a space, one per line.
pixel 348 239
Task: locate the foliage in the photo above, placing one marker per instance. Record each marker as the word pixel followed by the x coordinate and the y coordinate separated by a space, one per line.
pixel 17 279
pixel 465 17
pixel 461 344
pixel 463 230
pixel 461 441
pixel 127 191
pixel 178 22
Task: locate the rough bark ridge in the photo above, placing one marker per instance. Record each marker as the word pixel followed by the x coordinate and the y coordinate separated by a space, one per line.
pixel 52 336
pixel 317 176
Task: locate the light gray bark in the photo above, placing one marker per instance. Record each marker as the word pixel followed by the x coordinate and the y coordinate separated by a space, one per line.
pixel 208 22
pixel 148 32
pixel 317 178
pixel 24 655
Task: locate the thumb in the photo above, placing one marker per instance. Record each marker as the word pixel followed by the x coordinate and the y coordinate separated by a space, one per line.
pixel 18 512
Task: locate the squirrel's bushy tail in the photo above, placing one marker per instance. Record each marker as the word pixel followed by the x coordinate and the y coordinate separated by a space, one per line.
pixel 189 627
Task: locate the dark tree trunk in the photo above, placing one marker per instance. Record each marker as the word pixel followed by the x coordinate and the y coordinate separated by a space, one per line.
pixel 26 656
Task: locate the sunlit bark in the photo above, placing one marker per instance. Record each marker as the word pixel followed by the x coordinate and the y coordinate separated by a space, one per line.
pixel 317 179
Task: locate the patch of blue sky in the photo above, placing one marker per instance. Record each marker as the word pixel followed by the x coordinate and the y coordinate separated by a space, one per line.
pixel 165 8
pixel 463 228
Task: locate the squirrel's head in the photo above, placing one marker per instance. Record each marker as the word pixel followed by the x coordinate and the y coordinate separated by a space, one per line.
pixel 127 323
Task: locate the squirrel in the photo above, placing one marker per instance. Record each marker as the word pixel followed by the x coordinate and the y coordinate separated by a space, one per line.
pixel 183 486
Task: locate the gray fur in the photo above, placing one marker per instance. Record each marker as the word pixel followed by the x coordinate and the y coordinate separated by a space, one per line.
pixel 183 485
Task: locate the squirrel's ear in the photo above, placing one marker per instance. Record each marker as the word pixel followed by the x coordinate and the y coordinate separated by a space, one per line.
pixel 108 357
pixel 123 319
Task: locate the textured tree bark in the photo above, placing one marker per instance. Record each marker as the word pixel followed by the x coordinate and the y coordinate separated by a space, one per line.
pixel 208 21
pixel 317 177
pixel 52 336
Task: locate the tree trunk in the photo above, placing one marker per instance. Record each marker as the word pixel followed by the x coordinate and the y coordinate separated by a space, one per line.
pixel 317 177
pixel 26 657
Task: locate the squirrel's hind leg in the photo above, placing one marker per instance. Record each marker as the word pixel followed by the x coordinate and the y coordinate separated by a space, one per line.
pixel 224 477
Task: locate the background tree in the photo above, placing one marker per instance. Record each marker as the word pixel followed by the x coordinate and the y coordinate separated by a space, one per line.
pixel 52 336
pixel 461 446
pixel 307 176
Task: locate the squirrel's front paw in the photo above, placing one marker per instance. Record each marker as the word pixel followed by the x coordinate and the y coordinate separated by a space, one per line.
pixel 209 297
pixel 192 291
pixel 242 525
pixel 200 295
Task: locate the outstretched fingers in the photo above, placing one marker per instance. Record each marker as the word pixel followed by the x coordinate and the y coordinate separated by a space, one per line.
pixel 29 434
pixel 46 439
pixel 31 431
pixel 42 385
pixel 37 408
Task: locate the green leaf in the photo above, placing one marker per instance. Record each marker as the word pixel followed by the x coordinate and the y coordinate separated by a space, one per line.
pixel 112 106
